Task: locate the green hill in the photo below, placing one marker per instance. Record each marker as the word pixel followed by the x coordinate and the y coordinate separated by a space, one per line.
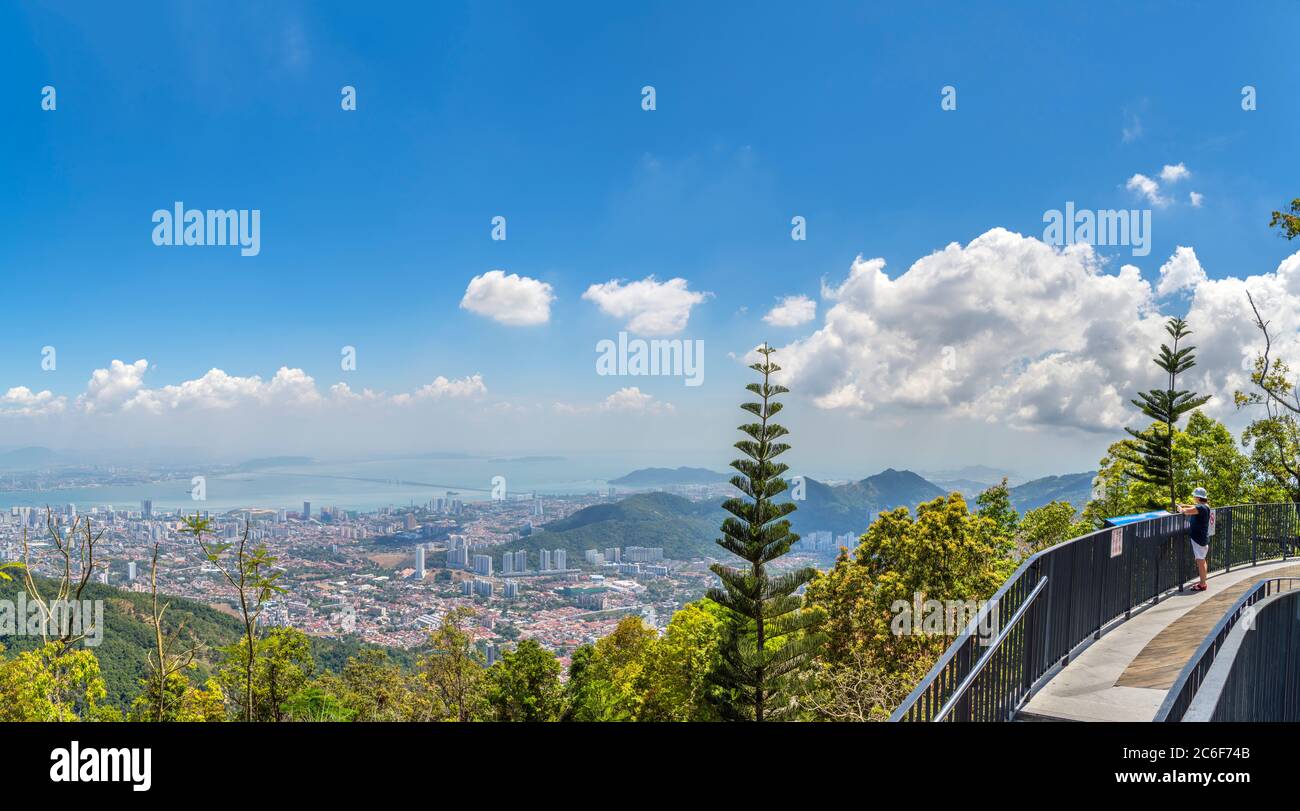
pixel 685 529
pixel 1075 488
pixel 128 637
pixel 851 507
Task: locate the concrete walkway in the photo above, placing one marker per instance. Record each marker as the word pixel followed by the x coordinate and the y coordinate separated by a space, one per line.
pixel 1124 676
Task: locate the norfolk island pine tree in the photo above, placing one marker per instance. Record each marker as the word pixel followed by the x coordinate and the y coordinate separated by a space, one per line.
pixel 771 636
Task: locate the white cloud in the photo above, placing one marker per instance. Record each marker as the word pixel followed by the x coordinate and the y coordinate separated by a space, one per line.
pixel 627 400
pixel 515 300
pixel 111 387
pixel 442 387
pixel 1150 190
pixel 1196 198
pixel 792 311
pixel 1174 173
pixel 1182 271
pixel 22 401
pixel 649 307
pixel 1012 331
pixel 1147 188
pixel 218 390
pixel 121 388
pixel 1006 329
pixel 632 399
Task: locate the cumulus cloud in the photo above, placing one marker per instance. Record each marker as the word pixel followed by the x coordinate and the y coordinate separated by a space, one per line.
pixel 120 388
pixel 1147 188
pixel 631 398
pixel 627 400
pixel 648 306
pixel 218 390
pixel 1150 189
pixel 111 387
pixel 1196 198
pixel 1182 271
pixel 22 401
pixel 1174 173
pixel 1008 329
pixel 514 300
pixel 442 387
pixel 792 311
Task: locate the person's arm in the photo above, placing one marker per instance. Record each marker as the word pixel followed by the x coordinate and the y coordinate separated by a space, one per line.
pixel 1187 509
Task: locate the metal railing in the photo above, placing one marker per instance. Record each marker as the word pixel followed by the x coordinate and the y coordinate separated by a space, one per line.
pixel 1245 693
pixel 1090 582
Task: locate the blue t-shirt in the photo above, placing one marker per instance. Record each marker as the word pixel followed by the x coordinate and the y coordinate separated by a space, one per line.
pixel 1199 530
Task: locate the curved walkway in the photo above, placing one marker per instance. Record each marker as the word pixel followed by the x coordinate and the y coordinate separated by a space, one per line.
pixel 1124 676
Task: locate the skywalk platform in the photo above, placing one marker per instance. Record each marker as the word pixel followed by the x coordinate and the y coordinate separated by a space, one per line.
pixel 1125 675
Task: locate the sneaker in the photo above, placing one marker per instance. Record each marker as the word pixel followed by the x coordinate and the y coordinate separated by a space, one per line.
pixel 1199 587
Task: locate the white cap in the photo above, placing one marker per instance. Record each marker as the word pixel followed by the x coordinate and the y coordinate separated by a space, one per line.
pixel 1200 493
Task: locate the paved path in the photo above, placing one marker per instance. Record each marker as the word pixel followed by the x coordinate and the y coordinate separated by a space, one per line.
pixel 1124 676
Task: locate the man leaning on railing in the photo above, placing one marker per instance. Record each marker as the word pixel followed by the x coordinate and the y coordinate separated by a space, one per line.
pixel 1199 532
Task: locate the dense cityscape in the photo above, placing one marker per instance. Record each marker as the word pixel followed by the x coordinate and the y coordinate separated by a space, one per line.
pixel 388 576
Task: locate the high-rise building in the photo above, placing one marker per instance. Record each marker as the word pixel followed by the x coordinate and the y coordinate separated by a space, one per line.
pixel 130 571
pixel 512 589
pixel 560 557
pixel 507 562
pixel 521 561
pixel 146 508
pixel 483 565
pixel 306 510
pixel 545 560
pixel 613 555
pixel 594 557
pixel 419 562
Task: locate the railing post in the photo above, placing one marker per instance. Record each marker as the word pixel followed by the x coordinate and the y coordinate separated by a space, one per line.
pixel 1128 555
pixel 1155 555
pixel 1101 593
pixel 1254 538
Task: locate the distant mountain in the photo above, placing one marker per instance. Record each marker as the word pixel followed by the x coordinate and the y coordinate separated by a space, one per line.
pixel 982 474
pixel 1075 488
pixel 30 458
pixel 851 507
pixel 685 529
pixel 662 476
pixel 968 488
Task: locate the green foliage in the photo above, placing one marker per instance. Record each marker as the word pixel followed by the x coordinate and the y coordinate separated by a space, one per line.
pixel 280 669
pixel 1049 525
pixel 944 553
pixel 605 679
pixel 182 701
pixel 995 505
pixel 1287 222
pixel 453 674
pixel 313 703
pixel 1152 451
pixel 1205 455
pixel 524 685
pixel 1274 444
pixel 372 688
pixel 770 636
pixel 53 683
pixel 675 679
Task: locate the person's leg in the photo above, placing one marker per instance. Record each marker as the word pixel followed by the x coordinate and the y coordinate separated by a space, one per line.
pixel 1201 568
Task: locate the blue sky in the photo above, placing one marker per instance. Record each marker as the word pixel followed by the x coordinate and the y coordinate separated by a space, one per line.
pixel 374 221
